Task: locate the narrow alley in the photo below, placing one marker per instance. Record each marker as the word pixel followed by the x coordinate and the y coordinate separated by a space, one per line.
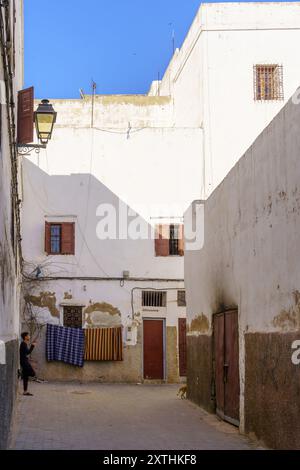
pixel 99 416
pixel 149 229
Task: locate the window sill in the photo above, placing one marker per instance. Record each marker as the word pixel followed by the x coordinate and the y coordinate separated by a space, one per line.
pixel 60 254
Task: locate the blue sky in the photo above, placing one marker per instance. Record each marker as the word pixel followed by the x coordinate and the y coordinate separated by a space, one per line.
pixel 121 44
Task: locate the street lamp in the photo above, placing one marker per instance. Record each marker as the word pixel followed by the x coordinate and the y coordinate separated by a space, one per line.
pixel 44 118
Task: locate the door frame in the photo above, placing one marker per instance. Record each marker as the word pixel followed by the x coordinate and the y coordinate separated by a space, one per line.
pixel 164 345
pixel 178 341
pixel 221 413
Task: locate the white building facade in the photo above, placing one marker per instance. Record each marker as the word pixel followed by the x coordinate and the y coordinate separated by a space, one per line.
pixel 154 154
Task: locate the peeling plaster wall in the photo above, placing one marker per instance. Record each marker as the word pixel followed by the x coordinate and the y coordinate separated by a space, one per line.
pixel 127 371
pixel 250 260
pixel 106 304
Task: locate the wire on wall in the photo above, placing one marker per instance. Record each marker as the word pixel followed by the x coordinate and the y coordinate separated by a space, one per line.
pixel 5 46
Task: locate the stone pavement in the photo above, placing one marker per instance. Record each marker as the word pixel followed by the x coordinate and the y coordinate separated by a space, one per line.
pixel 117 417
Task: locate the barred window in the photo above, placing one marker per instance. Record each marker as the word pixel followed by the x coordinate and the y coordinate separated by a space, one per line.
pixel 73 317
pixel 154 298
pixel 55 237
pixel 268 82
pixel 181 300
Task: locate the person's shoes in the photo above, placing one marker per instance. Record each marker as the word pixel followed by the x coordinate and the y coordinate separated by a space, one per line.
pixel 27 394
pixel 39 381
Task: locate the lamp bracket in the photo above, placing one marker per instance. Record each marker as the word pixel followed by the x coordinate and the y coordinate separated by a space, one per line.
pixel 26 149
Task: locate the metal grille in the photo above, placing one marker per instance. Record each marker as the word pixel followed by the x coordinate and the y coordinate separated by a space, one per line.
pixel 55 235
pixel 154 298
pixel 73 317
pixel 174 240
pixel 268 82
pixel 181 300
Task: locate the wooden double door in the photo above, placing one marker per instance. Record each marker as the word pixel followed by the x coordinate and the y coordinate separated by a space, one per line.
pixel 226 357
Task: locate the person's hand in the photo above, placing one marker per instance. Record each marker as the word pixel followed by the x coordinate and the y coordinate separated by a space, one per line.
pixel 34 343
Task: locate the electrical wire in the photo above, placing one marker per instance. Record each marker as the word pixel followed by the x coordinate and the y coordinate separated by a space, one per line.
pixel 10 111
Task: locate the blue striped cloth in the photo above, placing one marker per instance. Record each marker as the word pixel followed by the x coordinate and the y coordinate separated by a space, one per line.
pixel 65 344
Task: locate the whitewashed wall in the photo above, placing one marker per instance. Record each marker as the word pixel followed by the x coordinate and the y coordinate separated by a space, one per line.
pixel 9 275
pixel 211 77
pixel 251 249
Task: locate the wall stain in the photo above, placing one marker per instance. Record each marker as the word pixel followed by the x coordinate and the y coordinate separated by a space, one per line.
pixel 68 296
pixel 269 206
pixel 102 314
pixel 102 307
pixel 282 195
pixel 5 269
pixel 172 355
pixel 44 300
pixel 200 324
pixel 289 319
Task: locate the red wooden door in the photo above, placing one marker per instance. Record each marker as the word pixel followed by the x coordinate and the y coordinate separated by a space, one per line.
pixel 226 353
pixel 182 346
pixel 153 349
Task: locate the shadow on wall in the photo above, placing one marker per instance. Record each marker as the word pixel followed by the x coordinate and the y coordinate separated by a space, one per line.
pixel 104 223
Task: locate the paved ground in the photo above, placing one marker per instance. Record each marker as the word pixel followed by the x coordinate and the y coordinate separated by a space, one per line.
pixel 118 417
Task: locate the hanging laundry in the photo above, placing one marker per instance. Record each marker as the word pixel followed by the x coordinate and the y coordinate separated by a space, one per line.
pixel 65 345
pixel 103 344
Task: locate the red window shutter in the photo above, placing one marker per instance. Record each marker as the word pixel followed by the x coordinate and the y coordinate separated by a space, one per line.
pixel 68 238
pixel 181 241
pixel 48 238
pixel 162 243
pixel 25 116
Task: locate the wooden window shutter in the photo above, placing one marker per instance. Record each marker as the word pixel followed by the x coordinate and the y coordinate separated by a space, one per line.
pixel 25 116
pixel 68 238
pixel 181 240
pixel 162 243
pixel 48 238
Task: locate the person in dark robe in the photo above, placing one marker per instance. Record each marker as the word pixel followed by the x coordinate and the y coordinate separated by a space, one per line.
pixel 27 370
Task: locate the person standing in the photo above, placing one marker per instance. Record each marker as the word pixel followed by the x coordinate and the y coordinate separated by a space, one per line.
pixel 27 370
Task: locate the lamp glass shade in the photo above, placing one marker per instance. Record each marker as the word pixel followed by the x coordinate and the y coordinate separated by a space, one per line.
pixel 45 118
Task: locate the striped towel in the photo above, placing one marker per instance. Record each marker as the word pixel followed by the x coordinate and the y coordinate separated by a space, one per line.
pixel 65 344
pixel 103 344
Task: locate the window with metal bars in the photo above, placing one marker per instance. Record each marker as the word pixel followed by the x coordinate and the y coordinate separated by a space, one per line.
pixel 73 317
pixel 181 300
pixel 55 237
pixel 154 298
pixel 268 82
